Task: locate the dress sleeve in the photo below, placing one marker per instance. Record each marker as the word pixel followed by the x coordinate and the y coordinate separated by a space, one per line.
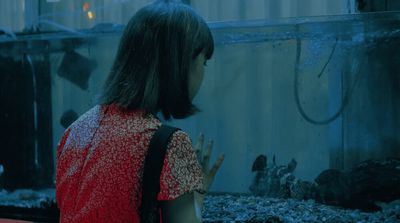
pixel 181 171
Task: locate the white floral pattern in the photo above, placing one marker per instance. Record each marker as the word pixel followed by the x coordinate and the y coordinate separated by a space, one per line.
pixel 100 161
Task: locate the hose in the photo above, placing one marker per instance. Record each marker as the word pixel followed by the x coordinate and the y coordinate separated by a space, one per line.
pixel 345 100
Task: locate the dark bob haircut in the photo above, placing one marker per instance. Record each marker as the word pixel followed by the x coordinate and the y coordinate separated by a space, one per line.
pixel 152 64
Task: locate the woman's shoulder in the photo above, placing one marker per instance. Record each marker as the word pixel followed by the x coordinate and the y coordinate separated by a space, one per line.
pixel 180 151
pixel 182 172
pixel 83 128
pixel 180 142
pixel 90 116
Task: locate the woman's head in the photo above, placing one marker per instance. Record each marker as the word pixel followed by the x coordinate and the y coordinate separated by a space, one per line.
pixel 158 52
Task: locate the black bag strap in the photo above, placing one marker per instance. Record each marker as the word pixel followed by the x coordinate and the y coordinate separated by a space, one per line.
pixel 152 170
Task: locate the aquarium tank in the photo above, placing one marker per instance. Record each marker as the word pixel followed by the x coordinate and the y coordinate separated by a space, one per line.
pixel 304 105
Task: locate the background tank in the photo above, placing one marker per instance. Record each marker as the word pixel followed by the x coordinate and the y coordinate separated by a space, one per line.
pixel 321 90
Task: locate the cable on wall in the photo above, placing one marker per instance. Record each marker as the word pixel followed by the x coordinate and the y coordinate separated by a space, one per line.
pixel 345 99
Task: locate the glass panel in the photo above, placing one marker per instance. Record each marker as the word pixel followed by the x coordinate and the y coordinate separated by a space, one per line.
pixel 56 15
pixel 323 91
pixel 52 15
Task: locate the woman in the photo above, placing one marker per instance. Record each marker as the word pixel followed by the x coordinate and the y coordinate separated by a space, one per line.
pixel 100 158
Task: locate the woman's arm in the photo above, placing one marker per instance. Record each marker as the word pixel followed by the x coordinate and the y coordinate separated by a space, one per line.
pixel 188 207
pixel 185 208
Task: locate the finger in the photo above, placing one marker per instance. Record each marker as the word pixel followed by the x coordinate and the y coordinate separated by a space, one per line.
pixel 197 154
pixel 216 166
pixel 198 157
pixel 206 158
pixel 206 184
pixel 199 145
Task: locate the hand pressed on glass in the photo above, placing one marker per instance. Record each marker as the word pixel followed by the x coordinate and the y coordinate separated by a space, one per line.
pixel 203 155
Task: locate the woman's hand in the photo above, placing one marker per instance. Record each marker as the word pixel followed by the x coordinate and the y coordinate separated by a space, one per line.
pixel 203 154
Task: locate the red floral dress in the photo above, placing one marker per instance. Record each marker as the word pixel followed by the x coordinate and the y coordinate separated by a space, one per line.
pixel 100 161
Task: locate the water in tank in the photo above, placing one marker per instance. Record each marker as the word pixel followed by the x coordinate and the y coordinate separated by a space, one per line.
pixel 306 111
